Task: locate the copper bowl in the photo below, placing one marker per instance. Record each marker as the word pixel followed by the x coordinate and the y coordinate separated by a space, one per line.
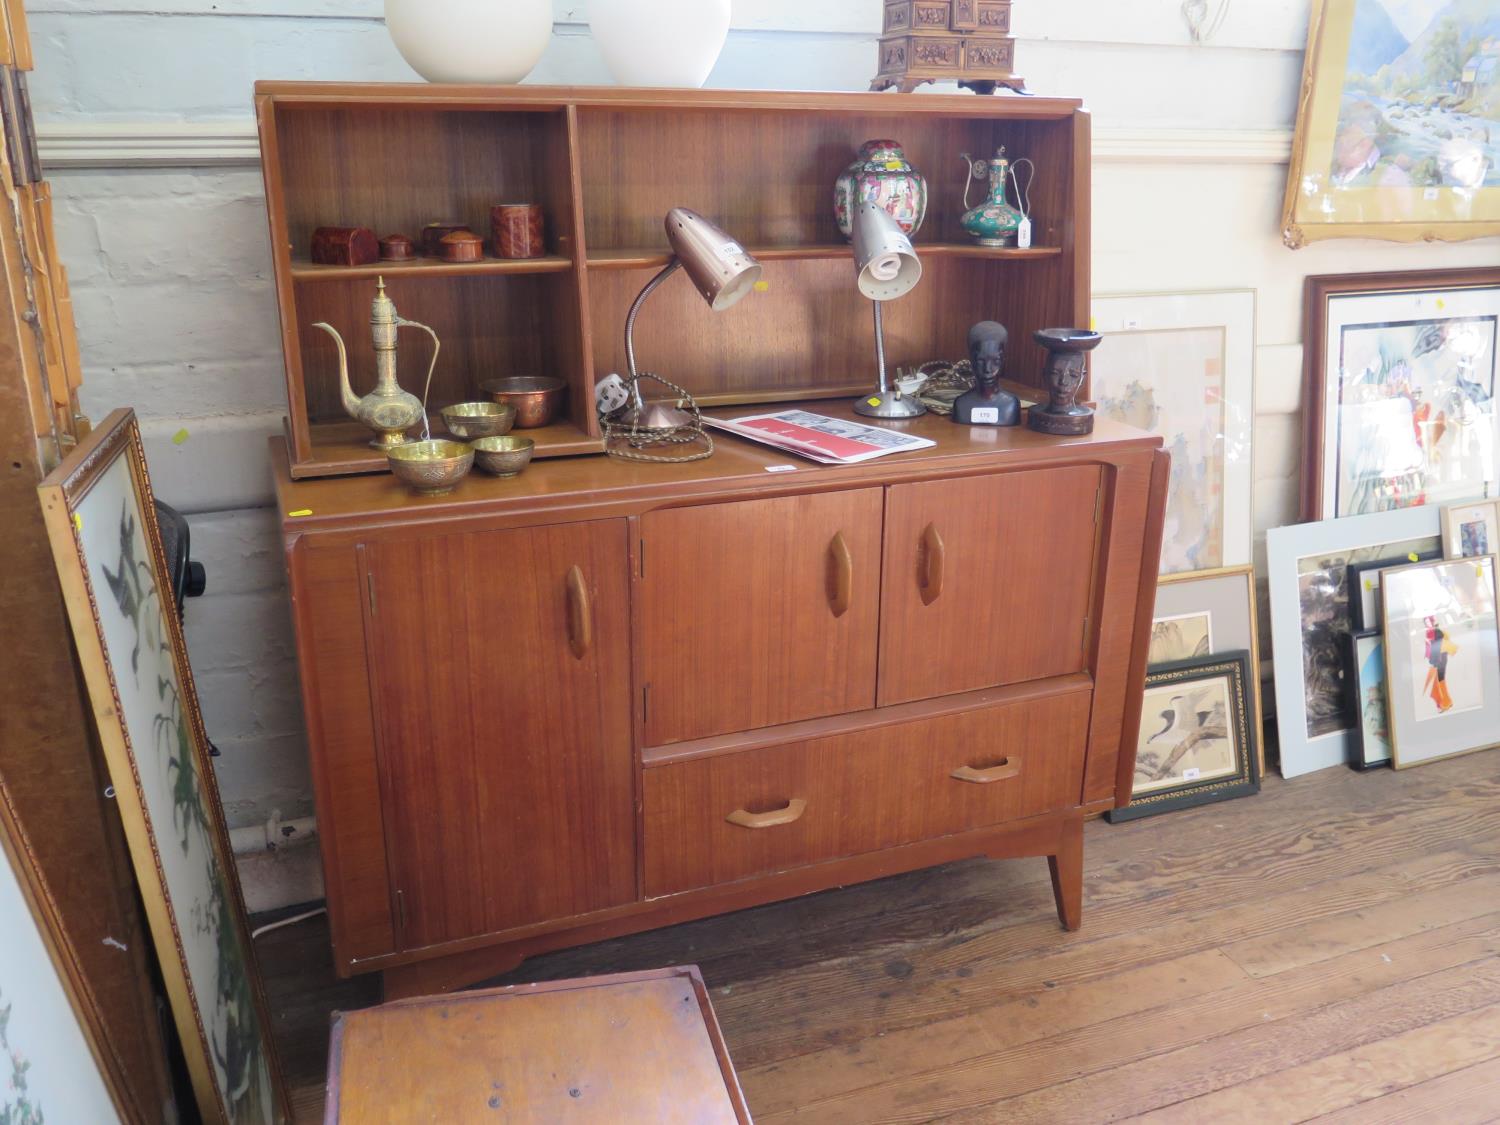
pixel 503 456
pixel 469 420
pixel 537 398
pixel 431 467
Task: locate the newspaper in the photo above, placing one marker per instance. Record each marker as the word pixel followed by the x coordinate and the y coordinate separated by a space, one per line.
pixel 831 441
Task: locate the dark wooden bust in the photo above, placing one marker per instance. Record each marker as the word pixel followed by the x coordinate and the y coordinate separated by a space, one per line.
pixel 987 403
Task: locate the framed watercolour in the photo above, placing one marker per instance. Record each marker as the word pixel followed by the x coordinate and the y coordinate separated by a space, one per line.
pixel 101 521
pixel 1371 745
pixel 1216 605
pixel 1396 124
pixel 1196 744
pixel 49 1065
pixel 1183 366
pixel 1364 588
pixel 1442 642
pixel 1399 387
pixel 1308 567
pixel 1471 530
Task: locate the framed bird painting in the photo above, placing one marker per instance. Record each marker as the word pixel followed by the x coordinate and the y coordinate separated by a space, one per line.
pixel 1196 743
pixel 1399 388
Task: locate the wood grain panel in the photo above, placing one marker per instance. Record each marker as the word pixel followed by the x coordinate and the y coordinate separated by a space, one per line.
pixel 862 792
pixel 508 776
pixel 1017 555
pixel 621 1048
pixel 737 626
pixel 327 598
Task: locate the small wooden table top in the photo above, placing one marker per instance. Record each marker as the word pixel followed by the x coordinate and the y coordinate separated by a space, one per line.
pixel 634 1047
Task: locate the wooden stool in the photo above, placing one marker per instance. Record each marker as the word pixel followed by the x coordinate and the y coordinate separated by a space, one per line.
pixel 634 1047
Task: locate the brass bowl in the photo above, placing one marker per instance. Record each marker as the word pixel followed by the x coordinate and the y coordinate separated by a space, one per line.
pixel 469 420
pixel 537 398
pixel 503 456
pixel 431 467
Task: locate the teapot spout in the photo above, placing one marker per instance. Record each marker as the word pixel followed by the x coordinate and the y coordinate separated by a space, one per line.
pixel 346 392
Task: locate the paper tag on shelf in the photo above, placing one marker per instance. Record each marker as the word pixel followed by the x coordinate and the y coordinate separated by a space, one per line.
pixel 986 414
pixel 781 468
pixel 1023 235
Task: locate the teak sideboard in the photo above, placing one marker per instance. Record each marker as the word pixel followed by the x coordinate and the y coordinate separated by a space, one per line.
pixel 606 696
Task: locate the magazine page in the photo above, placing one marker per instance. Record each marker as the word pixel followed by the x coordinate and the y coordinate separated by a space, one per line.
pixel 834 441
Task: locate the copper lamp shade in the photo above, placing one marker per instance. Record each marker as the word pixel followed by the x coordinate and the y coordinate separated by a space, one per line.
pixel 720 269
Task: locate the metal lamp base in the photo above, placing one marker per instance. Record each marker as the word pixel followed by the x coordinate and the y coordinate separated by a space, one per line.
pixel 888 405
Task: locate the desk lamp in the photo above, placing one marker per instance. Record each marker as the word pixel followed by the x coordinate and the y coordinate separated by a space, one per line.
pixel 888 268
pixel 720 270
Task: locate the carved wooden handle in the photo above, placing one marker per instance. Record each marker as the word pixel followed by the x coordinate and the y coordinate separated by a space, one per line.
pixel 931 584
pixel 793 811
pixel 1007 769
pixel 580 614
pixel 840 575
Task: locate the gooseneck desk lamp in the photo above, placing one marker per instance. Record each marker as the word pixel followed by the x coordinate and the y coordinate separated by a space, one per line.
pixel 721 271
pixel 888 268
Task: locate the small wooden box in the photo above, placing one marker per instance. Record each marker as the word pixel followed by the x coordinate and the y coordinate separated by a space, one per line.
pixel 344 246
pixel 937 40
pixel 629 1047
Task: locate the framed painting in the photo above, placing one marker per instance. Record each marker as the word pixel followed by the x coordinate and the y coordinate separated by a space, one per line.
pixel 50 1068
pixel 1442 640
pixel 1183 366
pixel 1308 567
pixel 1399 387
pixel 1471 530
pixel 1364 588
pixel 1397 123
pixel 1196 743
pixel 101 521
pixel 1371 745
pixel 1218 606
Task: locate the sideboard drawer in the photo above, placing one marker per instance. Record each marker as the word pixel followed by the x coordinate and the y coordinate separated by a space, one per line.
pixel 716 819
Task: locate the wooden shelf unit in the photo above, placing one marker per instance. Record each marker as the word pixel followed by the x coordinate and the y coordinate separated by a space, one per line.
pixel 607 164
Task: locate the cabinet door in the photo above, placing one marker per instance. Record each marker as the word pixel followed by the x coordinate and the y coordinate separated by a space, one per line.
pixel 988 580
pixel 758 612
pixel 501 684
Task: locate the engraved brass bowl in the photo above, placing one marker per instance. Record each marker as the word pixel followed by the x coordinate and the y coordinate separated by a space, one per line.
pixel 431 467
pixel 537 398
pixel 503 456
pixel 469 420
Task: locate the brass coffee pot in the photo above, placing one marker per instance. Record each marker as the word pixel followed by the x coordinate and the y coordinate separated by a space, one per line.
pixel 388 410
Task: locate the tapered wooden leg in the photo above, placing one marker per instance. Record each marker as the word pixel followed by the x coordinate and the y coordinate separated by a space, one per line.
pixel 1067 875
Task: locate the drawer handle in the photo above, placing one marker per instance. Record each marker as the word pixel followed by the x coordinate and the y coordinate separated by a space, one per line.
pixel 931 581
pixel 792 811
pixel 840 575
pixel 1008 768
pixel 580 614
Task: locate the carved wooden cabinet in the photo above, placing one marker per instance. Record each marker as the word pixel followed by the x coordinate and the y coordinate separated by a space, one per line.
pixel 612 696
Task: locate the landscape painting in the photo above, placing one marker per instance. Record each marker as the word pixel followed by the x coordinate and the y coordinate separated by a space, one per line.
pixel 1399 122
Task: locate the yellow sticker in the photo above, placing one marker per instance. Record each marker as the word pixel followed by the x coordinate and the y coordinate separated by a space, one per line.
pixel 762 286
pixel 893 165
pixel 1369 583
pixel 180 436
pixel 1413 557
pixel 1442 304
pixel 77 522
pixel 301 512
pixel 873 401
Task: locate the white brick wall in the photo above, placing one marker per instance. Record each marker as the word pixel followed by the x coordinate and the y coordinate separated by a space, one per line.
pixel 175 312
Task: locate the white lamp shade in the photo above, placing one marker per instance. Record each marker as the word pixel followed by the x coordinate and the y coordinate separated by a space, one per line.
pixel 660 42
pixel 888 267
pixel 493 42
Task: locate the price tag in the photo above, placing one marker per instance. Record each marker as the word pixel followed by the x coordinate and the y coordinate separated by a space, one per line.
pixel 1191 773
pixel 985 414
pixel 1429 194
pixel 781 468
pixel 1023 234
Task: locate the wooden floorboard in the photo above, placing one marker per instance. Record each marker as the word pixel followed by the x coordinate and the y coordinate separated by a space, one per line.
pixel 1328 950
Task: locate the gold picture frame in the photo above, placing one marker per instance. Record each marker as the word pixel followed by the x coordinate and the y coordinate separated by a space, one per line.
pixel 1392 153
pixel 101 521
pixel 1226 635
